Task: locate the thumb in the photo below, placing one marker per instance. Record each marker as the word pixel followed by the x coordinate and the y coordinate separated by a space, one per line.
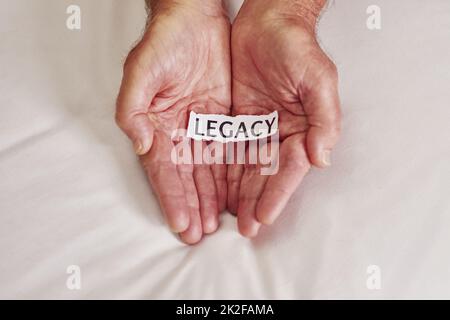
pixel 140 131
pixel 322 108
pixel 137 91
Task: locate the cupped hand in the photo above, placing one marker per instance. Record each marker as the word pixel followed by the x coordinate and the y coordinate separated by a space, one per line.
pixel 181 64
pixel 278 65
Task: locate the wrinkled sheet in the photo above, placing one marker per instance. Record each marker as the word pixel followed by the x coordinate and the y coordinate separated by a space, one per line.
pixel 72 192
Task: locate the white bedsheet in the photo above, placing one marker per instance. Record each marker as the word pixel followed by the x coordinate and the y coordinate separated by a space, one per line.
pixel 73 193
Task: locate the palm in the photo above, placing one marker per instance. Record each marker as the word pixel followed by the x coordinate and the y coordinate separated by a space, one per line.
pixel 274 68
pixel 192 64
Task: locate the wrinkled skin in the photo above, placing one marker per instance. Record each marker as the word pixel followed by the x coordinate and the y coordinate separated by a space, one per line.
pixel 181 64
pixel 277 64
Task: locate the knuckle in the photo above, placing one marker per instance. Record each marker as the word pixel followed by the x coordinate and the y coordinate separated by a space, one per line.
pixel 326 72
pixel 329 76
pixel 129 63
pixel 121 120
pixel 332 70
pixel 118 120
pixel 134 60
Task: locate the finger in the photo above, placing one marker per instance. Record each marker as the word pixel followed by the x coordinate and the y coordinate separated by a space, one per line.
pixel 234 175
pixel 163 176
pixel 206 189
pixel 193 233
pixel 138 88
pixel 219 171
pixel 322 108
pixel 293 165
pixel 252 186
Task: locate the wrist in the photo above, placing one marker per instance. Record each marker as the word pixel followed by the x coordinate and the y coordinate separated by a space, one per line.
pixel 304 11
pixel 206 7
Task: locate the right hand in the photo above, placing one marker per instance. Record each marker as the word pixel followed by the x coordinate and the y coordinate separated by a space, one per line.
pixel 181 64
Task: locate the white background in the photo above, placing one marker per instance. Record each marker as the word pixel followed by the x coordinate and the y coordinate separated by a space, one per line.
pixel 73 193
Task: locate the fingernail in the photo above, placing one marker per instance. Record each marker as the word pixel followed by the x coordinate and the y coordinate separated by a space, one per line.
pixel 210 226
pixel 326 157
pixel 137 147
pixel 180 225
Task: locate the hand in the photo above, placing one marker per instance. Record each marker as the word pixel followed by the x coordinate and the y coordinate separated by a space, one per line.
pixel 181 64
pixel 278 65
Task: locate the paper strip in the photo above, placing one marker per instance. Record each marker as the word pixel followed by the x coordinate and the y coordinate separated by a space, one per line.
pixel 218 127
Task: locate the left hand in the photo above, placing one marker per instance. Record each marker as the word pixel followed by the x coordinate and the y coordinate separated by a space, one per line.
pixel 278 65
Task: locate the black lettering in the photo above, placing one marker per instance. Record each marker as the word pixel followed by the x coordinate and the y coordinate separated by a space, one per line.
pixel 269 124
pixel 209 128
pixel 221 129
pixel 197 120
pixel 253 128
pixel 243 129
